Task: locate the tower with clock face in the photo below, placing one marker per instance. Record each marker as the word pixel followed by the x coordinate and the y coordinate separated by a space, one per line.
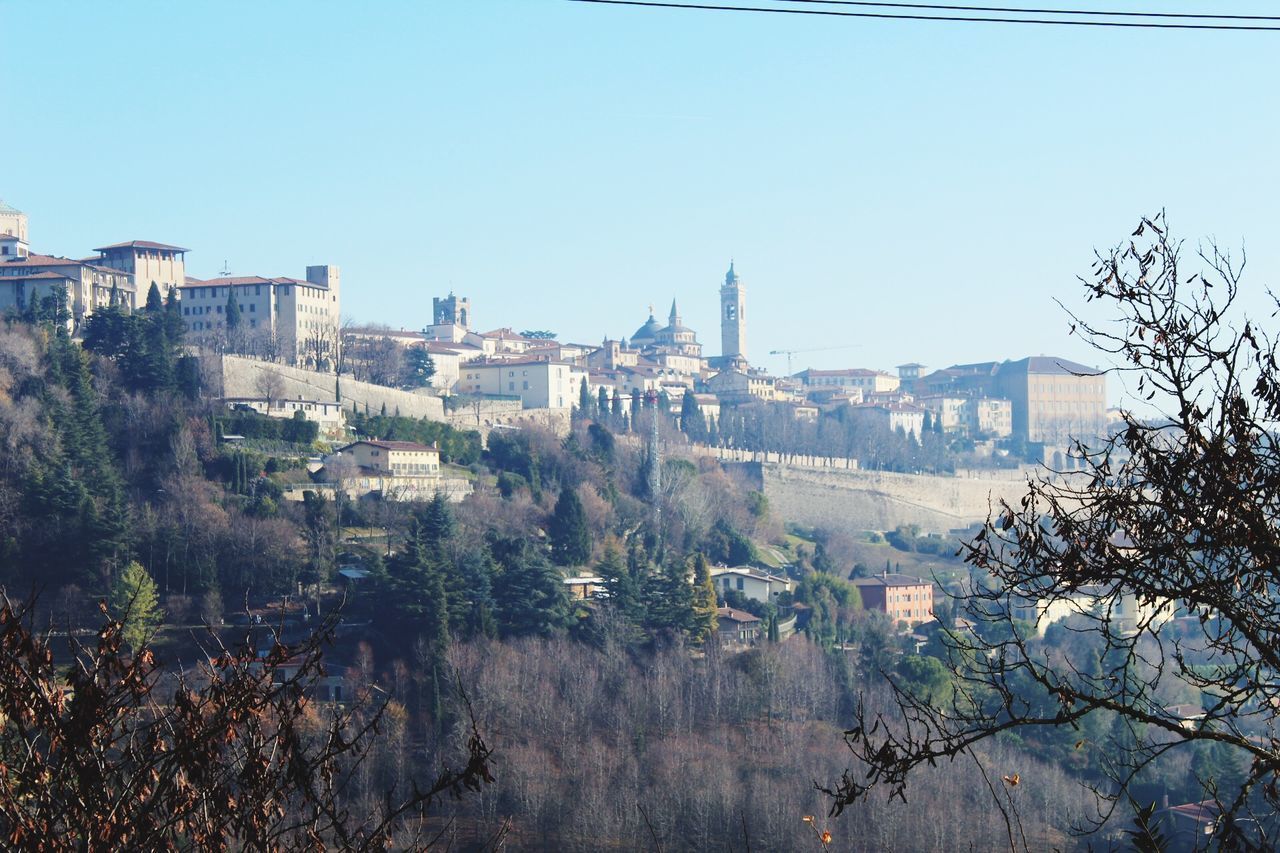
pixel 733 321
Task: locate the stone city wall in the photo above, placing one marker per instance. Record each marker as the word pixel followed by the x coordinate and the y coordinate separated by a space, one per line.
pixel 237 376
pixel 878 500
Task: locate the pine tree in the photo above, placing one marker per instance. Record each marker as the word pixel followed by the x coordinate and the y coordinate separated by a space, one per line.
pixel 134 602
pixel 570 536
pixel 418 368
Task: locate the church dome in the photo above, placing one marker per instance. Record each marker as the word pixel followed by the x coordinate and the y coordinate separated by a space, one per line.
pixel 647 332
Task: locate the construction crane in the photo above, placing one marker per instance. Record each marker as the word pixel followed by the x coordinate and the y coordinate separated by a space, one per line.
pixel 790 352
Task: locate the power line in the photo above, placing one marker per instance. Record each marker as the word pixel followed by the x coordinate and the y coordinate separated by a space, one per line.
pixel 1020 11
pixel 902 16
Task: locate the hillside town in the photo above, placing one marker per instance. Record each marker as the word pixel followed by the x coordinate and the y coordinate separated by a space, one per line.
pixel 501 376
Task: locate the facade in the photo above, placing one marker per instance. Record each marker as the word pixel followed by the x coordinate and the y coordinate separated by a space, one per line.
pixel 988 417
pixel 900 597
pixel 751 582
pixel 1054 400
pixel 733 320
pixel 539 384
pixel 147 262
pixel 297 319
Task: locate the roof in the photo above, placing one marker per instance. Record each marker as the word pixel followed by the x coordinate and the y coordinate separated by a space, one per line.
pixel 888 579
pixel 46 274
pixel 12 237
pixel 742 617
pixel 515 362
pixel 8 208
pixel 1050 365
pixel 507 334
pixel 647 330
pixel 750 571
pixel 142 244
pixel 37 260
pixel 393 445
pixel 850 371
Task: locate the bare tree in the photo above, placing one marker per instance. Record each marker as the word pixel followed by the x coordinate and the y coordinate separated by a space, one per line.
pixel 1181 510
pixel 270 385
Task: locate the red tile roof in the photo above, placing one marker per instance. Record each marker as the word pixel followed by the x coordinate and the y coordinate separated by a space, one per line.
pixel 394 445
pixel 142 244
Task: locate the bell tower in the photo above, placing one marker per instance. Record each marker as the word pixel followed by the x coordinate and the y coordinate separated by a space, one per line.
pixel 733 319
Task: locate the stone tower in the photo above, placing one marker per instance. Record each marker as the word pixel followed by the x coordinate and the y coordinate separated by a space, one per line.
pixel 733 319
pixel 452 310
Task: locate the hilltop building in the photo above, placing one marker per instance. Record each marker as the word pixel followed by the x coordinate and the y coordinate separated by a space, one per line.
pixel 293 319
pixel 149 263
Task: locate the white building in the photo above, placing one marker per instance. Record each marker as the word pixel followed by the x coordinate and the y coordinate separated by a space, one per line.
pixel 293 319
pixel 1123 611
pixel 907 417
pixel 328 415
pixel 538 384
pixel 148 263
pixel 751 582
pixel 869 381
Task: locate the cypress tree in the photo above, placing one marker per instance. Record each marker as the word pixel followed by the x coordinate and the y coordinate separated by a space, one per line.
pixel 233 310
pixel 584 398
pixel 602 402
pixel 154 303
pixel 570 537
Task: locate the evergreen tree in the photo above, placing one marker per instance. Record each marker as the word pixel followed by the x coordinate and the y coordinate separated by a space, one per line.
pixel 418 368
pixel 584 399
pixel 570 536
pixel 233 309
pixel 692 423
pixel 602 402
pixel 530 595
pixel 134 602
pixel 703 625
pixel 155 304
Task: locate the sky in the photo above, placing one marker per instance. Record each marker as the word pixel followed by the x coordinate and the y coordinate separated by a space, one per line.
pixel 888 191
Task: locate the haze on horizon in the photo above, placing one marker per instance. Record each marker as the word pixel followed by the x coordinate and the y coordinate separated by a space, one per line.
pixel 922 190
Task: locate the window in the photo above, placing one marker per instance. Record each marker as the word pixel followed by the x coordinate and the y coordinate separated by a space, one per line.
pixel 219 309
pixel 526 385
pixel 740 583
pixel 253 307
pixel 511 386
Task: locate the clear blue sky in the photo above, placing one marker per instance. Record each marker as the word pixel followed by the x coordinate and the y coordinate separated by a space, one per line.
pixel 923 190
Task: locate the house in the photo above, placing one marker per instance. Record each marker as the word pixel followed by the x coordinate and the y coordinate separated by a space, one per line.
pixel 1122 610
pixel 900 597
pixel 394 470
pixel 148 262
pixel 753 583
pixel 737 626
pixel 327 414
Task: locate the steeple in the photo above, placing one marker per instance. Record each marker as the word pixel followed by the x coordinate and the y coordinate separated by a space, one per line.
pixel 730 277
pixel 675 314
